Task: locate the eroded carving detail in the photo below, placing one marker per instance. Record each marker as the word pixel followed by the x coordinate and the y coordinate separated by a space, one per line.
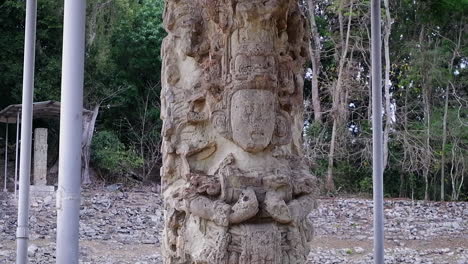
pixel 234 185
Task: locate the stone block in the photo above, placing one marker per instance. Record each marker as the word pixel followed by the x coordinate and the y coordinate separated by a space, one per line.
pixel 41 191
pixel 40 157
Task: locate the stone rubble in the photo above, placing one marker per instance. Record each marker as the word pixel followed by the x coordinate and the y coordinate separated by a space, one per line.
pixel 125 227
pixel 404 219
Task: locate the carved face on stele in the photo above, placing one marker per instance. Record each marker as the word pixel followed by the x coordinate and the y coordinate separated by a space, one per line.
pixel 253 119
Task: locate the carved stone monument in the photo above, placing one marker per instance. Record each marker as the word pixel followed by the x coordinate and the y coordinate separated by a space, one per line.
pixel 40 187
pixel 235 187
pixel 40 157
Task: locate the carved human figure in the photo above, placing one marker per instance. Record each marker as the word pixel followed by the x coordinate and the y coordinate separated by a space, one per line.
pixel 234 185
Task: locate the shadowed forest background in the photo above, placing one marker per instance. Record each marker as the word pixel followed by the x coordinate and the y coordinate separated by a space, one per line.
pixel 425 68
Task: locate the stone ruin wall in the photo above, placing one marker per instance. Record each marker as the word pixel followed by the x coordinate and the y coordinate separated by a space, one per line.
pixel 235 186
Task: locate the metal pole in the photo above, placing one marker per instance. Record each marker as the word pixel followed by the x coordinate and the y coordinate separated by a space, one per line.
pixel 71 111
pixel 16 155
pixel 6 158
pixel 26 121
pixel 377 161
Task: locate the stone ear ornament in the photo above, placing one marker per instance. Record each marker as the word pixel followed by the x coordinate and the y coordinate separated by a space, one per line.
pixel 221 124
pixel 282 134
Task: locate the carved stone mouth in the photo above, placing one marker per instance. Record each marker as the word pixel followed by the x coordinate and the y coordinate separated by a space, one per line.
pixel 257 135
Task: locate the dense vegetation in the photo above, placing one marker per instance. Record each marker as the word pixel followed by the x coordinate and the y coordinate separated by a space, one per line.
pixel 425 96
pixel 122 75
pixel 425 90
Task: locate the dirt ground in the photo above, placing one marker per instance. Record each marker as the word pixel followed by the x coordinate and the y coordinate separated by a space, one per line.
pixel 119 227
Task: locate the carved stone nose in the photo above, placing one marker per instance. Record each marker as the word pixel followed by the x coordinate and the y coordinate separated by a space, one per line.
pixel 256 126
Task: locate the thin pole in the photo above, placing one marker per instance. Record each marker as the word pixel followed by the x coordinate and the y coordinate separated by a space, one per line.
pixel 6 158
pixel 16 155
pixel 377 160
pixel 71 111
pixel 26 121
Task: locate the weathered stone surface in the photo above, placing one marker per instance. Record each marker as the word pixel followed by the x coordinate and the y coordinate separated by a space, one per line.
pixel 40 156
pixel 235 187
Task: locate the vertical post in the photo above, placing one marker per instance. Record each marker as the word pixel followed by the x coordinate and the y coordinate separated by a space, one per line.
pixel 26 121
pixel 71 111
pixel 16 155
pixel 377 140
pixel 6 158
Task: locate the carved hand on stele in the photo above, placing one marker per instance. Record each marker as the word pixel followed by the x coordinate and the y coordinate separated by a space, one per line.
pixel 277 208
pixel 245 208
pixel 223 214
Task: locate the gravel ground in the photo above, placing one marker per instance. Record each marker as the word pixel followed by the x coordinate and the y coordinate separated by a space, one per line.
pixel 125 227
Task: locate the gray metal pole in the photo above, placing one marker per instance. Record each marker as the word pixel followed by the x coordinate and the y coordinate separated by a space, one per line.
pixel 377 161
pixel 26 121
pixel 71 111
pixel 16 155
pixel 6 158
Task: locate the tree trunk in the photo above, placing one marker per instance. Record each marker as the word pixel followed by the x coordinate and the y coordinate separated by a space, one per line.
pixel 444 143
pixel 452 176
pixel 444 131
pixel 425 83
pixel 330 184
pixel 338 101
pixel 427 158
pixel 388 113
pixel 462 175
pixel 405 141
pixel 142 137
pixel 314 48
pixel 89 121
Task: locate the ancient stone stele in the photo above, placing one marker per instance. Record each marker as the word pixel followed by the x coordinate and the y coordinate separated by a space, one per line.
pixel 235 187
pixel 40 157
